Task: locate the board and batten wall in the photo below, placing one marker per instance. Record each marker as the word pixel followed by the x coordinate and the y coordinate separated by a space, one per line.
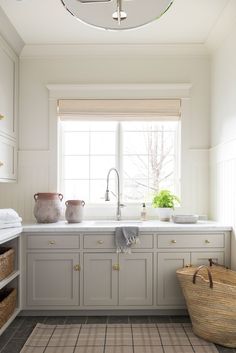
pixel 37 72
pixel 223 135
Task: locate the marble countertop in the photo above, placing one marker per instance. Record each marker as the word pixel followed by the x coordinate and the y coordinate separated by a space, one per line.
pixel 105 226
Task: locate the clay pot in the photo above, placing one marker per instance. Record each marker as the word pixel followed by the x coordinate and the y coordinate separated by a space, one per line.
pixel 47 208
pixel 74 211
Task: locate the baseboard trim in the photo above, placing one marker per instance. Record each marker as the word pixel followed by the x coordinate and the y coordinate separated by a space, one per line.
pixel 157 312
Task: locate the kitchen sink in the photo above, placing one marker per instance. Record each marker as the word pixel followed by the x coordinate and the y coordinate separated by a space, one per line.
pixel 118 223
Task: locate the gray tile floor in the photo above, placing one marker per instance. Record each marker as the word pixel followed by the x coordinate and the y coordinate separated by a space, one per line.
pixel 13 339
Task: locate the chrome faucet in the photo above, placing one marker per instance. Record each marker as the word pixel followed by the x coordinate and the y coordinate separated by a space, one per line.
pixel 107 197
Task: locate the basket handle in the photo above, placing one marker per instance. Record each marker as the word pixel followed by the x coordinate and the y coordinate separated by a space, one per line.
pixel 211 262
pixel 209 275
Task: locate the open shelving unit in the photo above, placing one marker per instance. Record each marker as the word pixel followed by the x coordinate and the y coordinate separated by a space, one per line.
pixel 11 238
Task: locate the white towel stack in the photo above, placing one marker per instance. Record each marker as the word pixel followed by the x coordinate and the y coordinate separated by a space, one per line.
pixel 9 218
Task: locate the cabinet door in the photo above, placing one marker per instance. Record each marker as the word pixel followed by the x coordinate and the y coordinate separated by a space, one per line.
pixel 100 279
pixel 53 279
pixel 136 279
pixel 7 92
pixel 7 159
pixel 168 289
pixel 201 258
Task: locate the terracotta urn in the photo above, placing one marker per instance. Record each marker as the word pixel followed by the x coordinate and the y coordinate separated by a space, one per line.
pixel 74 211
pixel 47 208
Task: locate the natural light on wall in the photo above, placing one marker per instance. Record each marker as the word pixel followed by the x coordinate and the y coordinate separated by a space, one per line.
pixel 146 154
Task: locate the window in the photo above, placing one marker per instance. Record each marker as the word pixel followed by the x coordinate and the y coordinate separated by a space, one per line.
pixel 146 155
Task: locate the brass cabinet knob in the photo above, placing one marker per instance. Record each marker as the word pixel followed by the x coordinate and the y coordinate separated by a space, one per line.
pixel 1 117
pixel 116 267
pixel 173 241
pixel 100 241
pixel 51 242
pixel 77 267
pixel 1 164
pixel 207 241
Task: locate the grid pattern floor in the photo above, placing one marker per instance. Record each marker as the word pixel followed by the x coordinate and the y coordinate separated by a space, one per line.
pixel 16 335
pixel 116 338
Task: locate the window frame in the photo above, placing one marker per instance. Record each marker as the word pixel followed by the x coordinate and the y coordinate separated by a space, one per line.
pixel 118 157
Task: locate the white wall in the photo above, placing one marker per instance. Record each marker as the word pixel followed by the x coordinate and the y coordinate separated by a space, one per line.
pixel 223 135
pixel 36 73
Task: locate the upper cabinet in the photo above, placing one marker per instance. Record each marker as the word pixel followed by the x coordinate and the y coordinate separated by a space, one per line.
pixel 8 112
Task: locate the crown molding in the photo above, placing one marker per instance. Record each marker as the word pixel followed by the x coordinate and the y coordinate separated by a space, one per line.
pixel 9 34
pixel 113 50
pixel 222 27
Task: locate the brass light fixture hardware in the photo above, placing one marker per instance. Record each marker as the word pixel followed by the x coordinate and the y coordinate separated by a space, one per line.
pixel 100 241
pixel 51 242
pixel 207 241
pixel 116 267
pixel 1 117
pixel 77 267
pixel 173 241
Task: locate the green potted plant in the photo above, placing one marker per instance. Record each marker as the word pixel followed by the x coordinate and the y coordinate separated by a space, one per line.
pixel 165 201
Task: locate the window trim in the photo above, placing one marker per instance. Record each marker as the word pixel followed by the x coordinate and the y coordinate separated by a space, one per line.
pixel 108 91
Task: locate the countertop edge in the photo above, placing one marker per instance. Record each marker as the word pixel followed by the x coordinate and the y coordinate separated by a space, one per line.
pixel 63 227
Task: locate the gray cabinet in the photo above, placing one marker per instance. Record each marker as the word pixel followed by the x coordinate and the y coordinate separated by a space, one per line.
pixel 53 279
pixel 66 270
pixel 168 288
pixel 111 279
pixel 179 250
pixel 100 285
pixel 136 279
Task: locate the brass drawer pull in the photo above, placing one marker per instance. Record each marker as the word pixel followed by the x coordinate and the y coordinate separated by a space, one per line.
pixel 1 117
pixel 207 241
pixel 77 267
pixel 173 241
pixel 51 242
pixel 116 267
pixel 100 242
pixel 1 164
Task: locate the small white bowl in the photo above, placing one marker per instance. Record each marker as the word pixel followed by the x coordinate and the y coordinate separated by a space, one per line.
pixel 191 218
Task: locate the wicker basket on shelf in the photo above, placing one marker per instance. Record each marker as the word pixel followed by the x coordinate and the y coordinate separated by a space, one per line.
pixel 210 294
pixel 6 262
pixel 7 304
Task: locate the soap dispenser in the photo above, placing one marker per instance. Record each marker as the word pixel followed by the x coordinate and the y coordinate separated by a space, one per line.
pixel 143 212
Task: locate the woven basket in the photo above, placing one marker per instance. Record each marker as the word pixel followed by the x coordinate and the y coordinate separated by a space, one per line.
pixel 210 295
pixel 7 304
pixel 6 262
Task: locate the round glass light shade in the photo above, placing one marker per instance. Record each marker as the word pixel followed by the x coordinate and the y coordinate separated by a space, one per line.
pixel 105 13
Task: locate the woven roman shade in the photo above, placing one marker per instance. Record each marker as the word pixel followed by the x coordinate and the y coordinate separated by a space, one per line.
pixel 120 109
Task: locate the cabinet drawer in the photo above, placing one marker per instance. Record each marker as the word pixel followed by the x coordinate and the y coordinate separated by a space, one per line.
pixel 146 242
pixel 108 242
pixel 191 241
pixel 102 241
pixel 53 241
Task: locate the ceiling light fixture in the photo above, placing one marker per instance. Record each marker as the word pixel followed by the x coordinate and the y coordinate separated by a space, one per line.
pixel 117 14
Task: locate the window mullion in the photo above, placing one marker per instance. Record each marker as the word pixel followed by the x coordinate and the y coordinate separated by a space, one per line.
pixel 119 156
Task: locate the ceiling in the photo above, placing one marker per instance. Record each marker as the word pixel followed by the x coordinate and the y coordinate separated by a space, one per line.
pixel 47 22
